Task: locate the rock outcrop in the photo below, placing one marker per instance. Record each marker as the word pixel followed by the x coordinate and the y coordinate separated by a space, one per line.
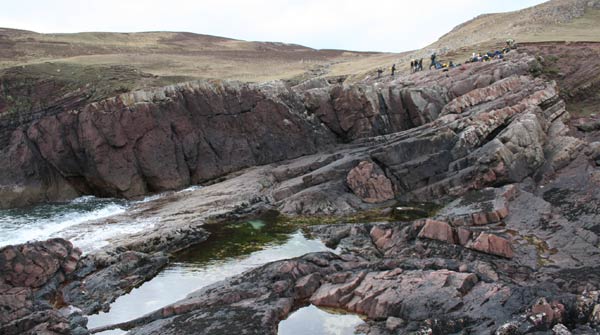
pixel 513 248
pixel 145 142
pixel 369 183
pixel 46 287
pixel 29 276
pixel 168 138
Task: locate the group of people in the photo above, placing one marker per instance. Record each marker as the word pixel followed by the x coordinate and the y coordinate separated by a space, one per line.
pixel 416 65
pixel 475 57
pixel 437 65
pixel 478 57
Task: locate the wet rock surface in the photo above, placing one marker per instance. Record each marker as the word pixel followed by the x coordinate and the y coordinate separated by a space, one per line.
pixel 513 249
pixel 29 277
pixel 46 287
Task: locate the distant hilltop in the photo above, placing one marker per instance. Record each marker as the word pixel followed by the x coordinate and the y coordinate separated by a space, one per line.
pixel 180 56
pixel 556 20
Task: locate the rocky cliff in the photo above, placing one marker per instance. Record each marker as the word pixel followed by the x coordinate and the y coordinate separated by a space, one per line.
pixel 162 139
pixel 512 249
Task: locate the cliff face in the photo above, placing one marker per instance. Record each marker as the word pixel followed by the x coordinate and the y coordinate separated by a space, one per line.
pixel 513 248
pixel 168 138
pixel 151 141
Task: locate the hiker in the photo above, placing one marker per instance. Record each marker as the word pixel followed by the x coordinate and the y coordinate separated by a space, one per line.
pixel 510 44
pixel 433 62
pixel 412 66
pixel 420 65
pixel 393 69
pixel 379 72
pixel 451 64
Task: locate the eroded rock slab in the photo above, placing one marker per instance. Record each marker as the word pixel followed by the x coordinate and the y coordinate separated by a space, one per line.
pixel 369 183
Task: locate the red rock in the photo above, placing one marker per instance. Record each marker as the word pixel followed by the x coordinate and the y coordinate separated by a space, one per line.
pixel 437 230
pixel 463 235
pixel 280 286
pixel 492 244
pixel 552 313
pixel 369 183
pixel 479 219
pixel 331 294
pixel 503 212
pixel 69 265
pixel 9 253
pixel 18 268
pixel 377 232
pixel 307 285
pixel 381 237
pixel 493 217
pixel 34 264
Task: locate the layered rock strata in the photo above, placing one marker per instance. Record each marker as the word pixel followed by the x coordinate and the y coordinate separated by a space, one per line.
pixel 163 139
pixel 513 250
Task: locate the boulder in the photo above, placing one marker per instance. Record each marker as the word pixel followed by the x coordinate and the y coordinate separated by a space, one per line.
pixel 552 313
pixel 29 278
pixel 492 244
pixel 32 265
pixel 369 183
pixel 437 230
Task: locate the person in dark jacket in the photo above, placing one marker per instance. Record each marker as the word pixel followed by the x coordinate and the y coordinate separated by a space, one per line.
pixel 393 69
pixel 433 57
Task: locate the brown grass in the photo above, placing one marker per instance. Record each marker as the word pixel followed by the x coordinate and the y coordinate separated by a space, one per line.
pixel 200 56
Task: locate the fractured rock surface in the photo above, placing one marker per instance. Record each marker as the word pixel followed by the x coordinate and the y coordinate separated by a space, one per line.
pixel 513 249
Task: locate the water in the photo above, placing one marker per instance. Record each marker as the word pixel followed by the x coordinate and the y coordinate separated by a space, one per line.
pixel 60 220
pixel 231 250
pixel 71 220
pixel 316 321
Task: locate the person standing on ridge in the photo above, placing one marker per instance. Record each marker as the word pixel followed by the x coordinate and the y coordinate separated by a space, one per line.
pixel 433 56
pixel 379 72
pixel 393 69
pixel 412 65
pixel 420 65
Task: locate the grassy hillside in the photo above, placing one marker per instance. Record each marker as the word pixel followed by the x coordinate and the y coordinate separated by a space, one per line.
pixel 174 56
pixel 572 20
pixel 555 20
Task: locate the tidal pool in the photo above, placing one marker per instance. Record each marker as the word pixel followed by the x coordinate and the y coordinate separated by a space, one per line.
pixel 316 321
pixel 230 250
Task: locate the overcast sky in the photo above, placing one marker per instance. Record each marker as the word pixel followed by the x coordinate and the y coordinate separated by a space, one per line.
pixel 365 25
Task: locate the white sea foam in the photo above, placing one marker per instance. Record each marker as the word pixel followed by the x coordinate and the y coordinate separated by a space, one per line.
pixel 150 198
pixel 190 189
pixel 47 221
pixel 90 237
pixel 73 221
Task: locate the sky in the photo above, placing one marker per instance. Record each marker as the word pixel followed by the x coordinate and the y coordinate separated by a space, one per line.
pixel 361 25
